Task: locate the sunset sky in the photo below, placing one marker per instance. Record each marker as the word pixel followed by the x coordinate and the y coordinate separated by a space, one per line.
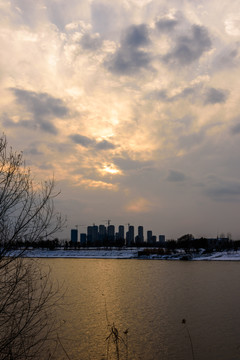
pixel 133 105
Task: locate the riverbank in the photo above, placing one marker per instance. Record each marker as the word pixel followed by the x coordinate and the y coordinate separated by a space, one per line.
pixel 128 253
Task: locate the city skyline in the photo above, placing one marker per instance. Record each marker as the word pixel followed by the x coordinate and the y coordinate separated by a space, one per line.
pixel 132 106
pixel 111 234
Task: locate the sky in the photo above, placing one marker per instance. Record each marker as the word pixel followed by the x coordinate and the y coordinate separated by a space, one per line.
pixel 132 106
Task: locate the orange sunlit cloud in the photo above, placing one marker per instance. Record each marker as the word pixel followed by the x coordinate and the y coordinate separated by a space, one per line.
pixel 139 205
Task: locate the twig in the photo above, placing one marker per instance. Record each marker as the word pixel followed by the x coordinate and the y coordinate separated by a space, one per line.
pixel 189 336
pixel 63 347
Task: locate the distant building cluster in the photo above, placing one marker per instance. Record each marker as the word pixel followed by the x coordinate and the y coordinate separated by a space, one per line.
pixel 108 236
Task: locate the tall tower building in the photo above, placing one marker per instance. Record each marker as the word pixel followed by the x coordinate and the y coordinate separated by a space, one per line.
pixel 111 233
pixel 161 239
pixel 89 235
pixel 149 236
pixel 140 234
pixel 94 234
pixel 121 232
pixel 102 233
pixel 74 236
pixel 83 239
pixel 131 234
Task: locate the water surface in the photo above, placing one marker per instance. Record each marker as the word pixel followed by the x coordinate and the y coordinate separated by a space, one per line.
pixel 150 298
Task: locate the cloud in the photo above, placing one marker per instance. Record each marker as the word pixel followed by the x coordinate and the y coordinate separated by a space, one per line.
pixel 82 140
pixel 91 143
pixel 43 109
pixel 33 150
pixel 104 17
pixel 136 36
pixel 61 13
pixel 41 104
pixel 235 130
pixel 166 24
pixel 194 93
pixel 131 57
pixel 190 48
pixel 91 42
pixel 176 176
pixel 128 62
pixel 191 140
pixel 127 164
pixel 227 57
pixel 9 123
pixel 163 95
pixel 139 205
pixel 215 96
pixel 104 145
pixel 224 191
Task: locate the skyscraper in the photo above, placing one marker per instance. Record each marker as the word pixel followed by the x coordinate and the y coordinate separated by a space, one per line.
pixel 140 234
pixel 121 232
pixel 111 233
pixel 83 239
pixel 94 234
pixel 149 236
pixel 74 235
pixel 161 239
pixel 89 235
pixel 131 234
pixel 102 234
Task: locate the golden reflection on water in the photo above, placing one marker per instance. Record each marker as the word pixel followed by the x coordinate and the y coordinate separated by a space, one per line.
pixel 150 298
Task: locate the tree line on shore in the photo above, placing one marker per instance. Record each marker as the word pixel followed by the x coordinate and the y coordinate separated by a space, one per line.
pixel 186 242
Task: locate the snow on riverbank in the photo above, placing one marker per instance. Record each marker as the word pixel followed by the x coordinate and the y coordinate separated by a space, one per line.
pixel 83 253
pixel 224 255
pixel 129 253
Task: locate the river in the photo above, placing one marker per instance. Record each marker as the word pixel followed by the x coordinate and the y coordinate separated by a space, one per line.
pixel 150 298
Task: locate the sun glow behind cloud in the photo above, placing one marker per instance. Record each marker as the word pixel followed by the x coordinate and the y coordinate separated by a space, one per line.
pixel 110 169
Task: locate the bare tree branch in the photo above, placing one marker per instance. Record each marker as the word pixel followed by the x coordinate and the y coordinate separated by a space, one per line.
pixel 27 296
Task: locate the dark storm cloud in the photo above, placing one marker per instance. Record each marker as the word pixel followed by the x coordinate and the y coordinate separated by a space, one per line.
pixel 90 42
pixel 176 176
pixel 191 47
pixel 166 25
pixel 130 58
pixel 91 143
pixel 215 96
pixel 43 108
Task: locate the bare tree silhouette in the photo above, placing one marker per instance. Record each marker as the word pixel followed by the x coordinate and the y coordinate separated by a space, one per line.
pixel 27 296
